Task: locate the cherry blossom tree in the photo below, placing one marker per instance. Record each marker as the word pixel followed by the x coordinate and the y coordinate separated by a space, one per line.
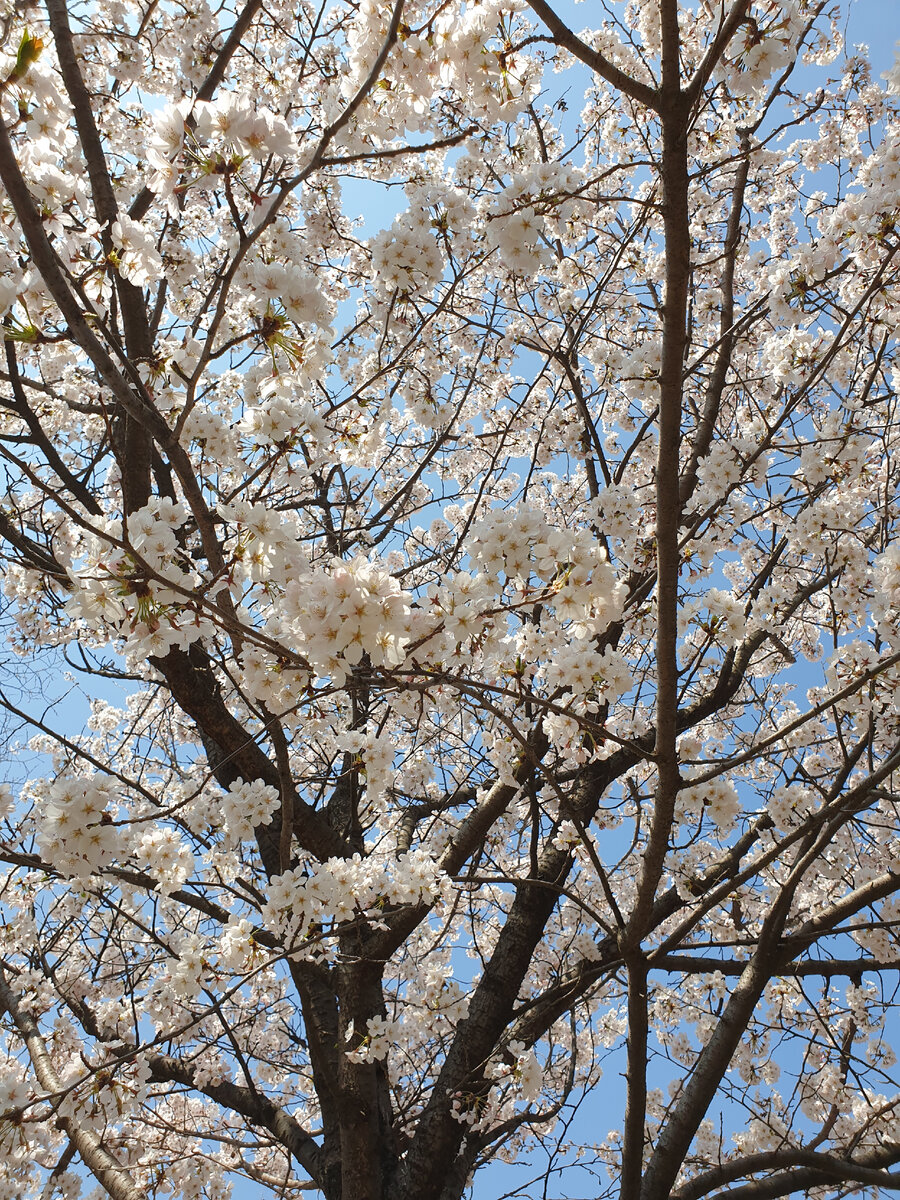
pixel 489 606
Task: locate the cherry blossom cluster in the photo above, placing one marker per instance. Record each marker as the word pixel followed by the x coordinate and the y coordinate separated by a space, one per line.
pixel 461 53
pixel 77 830
pixel 352 609
pixel 201 141
pixel 718 800
pixel 406 258
pixel 340 889
pixel 138 586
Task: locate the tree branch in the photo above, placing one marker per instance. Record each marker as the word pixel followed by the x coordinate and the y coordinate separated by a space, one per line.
pixel 258 1109
pixel 563 36
pixel 105 1169
pixel 818 1169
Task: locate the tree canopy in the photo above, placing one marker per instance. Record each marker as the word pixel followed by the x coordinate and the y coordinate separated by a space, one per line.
pixel 455 453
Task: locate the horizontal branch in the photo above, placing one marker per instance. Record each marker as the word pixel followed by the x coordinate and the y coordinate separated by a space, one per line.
pixel 816 1169
pixel 140 879
pixel 690 964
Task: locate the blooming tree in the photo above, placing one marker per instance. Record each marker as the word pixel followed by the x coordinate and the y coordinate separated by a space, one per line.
pixel 490 612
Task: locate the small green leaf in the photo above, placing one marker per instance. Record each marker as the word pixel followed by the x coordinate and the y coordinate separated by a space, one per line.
pixel 29 52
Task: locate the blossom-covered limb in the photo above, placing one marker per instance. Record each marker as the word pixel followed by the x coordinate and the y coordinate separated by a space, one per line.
pixel 95 1156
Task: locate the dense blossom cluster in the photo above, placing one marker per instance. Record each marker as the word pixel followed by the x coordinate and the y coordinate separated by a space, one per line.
pixel 406 258
pixel 355 608
pixel 340 888
pixel 75 827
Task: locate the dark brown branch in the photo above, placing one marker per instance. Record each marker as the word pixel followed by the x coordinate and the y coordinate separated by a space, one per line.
pixel 54 461
pixel 676 222
pixel 258 1109
pixel 687 1112
pixel 827 968
pixel 711 59
pixel 105 204
pixel 884 884
pixel 134 447
pixel 54 278
pixel 563 36
pixel 634 1133
pixel 234 754
pixel 816 1169
pixel 35 557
